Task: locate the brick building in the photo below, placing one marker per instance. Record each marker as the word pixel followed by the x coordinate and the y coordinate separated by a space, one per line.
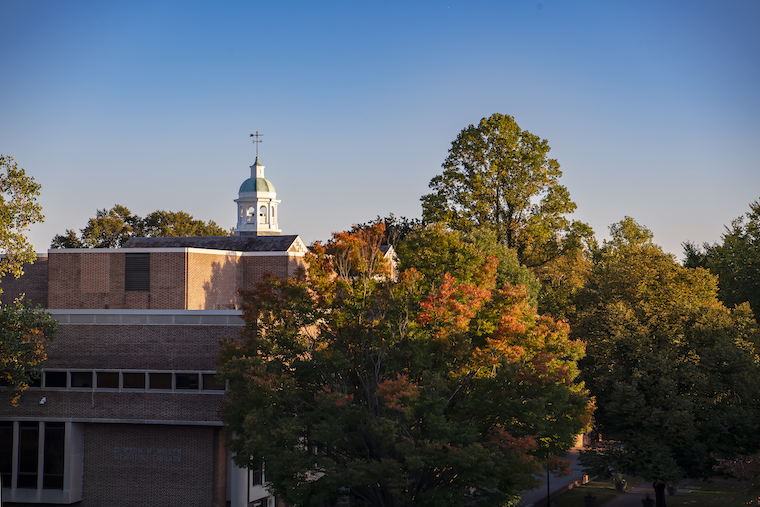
pixel 126 411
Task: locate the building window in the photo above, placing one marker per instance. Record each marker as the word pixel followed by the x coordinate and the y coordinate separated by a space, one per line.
pixel 186 380
pixel 55 379
pixel 6 452
pixel 133 380
pixel 137 272
pixel 81 379
pixel 38 455
pixel 28 454
pixel 263 215
pixel 116 380
pixel 212 383
pixel 53 457
pixel 256 478
pixel 108 379
pixel 160 381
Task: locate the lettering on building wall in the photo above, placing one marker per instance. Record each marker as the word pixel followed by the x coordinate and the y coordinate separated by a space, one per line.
pixel 148 454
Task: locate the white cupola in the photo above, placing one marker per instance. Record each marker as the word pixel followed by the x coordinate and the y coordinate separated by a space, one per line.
pixel 257 205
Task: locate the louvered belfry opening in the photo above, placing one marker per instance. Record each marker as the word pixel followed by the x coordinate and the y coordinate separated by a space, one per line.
pixel 137 271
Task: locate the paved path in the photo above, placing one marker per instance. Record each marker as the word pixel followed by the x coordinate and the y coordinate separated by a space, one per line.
pixel 555 483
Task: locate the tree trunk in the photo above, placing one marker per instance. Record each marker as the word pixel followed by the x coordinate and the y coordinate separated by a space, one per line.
pixel 659 494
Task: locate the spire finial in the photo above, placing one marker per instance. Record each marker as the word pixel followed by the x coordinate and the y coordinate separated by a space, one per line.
pixel 257 141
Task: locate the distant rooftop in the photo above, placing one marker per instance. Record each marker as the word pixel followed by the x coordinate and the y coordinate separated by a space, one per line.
pixel 233 243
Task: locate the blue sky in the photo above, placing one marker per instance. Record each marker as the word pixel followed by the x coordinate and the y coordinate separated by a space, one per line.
pixel 652 108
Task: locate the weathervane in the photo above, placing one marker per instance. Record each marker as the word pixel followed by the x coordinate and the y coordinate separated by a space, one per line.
pixel 257 141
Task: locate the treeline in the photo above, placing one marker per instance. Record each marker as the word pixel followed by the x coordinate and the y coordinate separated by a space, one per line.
pixel 507 329
pixel 112 228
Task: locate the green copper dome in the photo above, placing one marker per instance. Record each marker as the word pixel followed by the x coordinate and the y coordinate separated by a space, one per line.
pixel 256 185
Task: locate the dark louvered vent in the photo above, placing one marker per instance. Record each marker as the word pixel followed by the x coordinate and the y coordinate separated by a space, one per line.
pixel 137 271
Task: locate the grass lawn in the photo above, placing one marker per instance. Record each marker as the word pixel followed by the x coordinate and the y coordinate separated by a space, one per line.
pixel 716 494
pixel 708 494
pixel 603 489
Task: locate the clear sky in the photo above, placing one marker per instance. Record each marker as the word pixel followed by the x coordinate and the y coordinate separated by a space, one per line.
pixel 652 108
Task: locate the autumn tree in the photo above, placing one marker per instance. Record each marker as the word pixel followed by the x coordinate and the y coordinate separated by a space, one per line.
pixel 23 331
pixel 675 373
pixel 500 176
pixel 434 249
pixel 397 229
pixel 18 209
pixel 736 260
pixel 353 386
pixel 112 228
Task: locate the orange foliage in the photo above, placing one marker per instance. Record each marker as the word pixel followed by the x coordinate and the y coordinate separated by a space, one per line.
pixel 396 394
pixel 451 308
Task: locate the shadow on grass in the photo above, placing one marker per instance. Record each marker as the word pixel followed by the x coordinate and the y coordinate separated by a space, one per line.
pixel 692 493
pixel 603 489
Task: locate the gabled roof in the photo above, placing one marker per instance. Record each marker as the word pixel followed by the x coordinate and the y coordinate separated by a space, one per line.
pixel 233 243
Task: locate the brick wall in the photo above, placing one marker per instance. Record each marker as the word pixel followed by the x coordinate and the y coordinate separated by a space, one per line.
pixel 95 280
pixel 33 283
pixel 149 465
pixel 255 267
pixel 167 281
pixel 86 280
pixel 212 281
pixel 149 347
pixel 116 406
pixel 136 347
pixel 178 280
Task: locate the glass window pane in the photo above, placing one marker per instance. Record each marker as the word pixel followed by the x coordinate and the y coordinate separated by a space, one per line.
pixel 6 452
pixel 134 380
pixel 37 382
pixel 55 379
pixel 28 445
pixel 160 380
pixel 108 379
pixel 256 479
pixel 212 383
pixel 52 467
pixel 81 379
pixel 187 380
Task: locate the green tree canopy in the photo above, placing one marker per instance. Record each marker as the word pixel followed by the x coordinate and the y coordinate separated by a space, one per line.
pixel 736 260
pixel 675 374
pixel 351 385
pixel 112 228
pixel 18 209
pixel 500 176
pixel 433 250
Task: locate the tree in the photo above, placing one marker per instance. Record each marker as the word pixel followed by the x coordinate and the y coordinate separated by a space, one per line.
pixel 747 470
pixel 112 228
pixel 497 175
pixel 18 209
pixel 178 224
pixel 397 229
pixel 565 274
pixel 354 386
pixel 674 372
pixel 736 260
pixel 24 332
pixel 433 250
